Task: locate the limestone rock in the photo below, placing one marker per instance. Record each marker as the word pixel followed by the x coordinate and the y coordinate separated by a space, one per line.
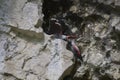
pixel 27 53
pixel 3 52
pixel 58 63
pixel 29 16
pixel 115 22
pixel 18 13
pixel 117 2
pixel 30 60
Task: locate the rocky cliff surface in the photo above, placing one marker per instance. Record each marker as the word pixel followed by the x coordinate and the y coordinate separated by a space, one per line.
pixel 27 52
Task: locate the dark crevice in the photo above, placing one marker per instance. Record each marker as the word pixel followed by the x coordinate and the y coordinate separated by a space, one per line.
pixel 53 7
pixel 108 54
pixel 31 0
pixel 70 72
pixel 94 18
pixel 75 67
pixel 106 77
pixel 84 77
pixel 75 18
pixel 58 8
pixel 115 35
pixel 25 61
pixel 116 62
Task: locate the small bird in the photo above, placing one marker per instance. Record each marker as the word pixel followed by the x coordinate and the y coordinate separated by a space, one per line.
pixel 57 28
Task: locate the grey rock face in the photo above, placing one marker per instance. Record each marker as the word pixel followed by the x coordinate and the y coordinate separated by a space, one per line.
pixel 115 22
pixel 58 63
pixel 27 53
pixel 117 2
pixel 23 51
pixel 3 46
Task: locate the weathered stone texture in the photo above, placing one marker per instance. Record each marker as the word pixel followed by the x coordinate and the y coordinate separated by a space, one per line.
pixel 27 53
